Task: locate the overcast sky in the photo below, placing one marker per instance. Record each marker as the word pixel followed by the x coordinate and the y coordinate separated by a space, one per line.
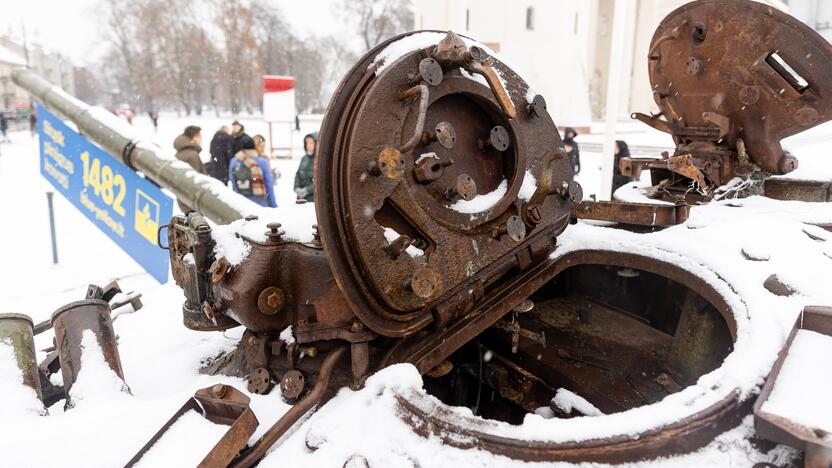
pixel 69 25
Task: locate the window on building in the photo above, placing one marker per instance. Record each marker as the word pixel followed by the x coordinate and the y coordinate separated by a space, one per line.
pixel 530 18
pixel 467 19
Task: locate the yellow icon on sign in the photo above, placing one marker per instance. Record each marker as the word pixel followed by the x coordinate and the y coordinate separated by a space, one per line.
pixel 147 216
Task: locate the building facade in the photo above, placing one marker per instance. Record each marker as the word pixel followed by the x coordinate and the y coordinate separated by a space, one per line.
pixel 562 47
pixel 50 65
pixel 10 94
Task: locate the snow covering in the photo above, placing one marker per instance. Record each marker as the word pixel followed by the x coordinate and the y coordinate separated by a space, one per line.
pixel 801 391
pixel 95 380
pixel 161 358
pixel 296 221
pixel 287 335
pixel 425 156
pixel 528 187
pixel 481 202
pixel 634 192
pixel 569 401
pixel 391 235
pixel 187 441
pixel 17 399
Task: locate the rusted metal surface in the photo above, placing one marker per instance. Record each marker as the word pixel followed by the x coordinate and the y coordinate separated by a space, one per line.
pixel 776 286
pixel 802 190
pixel 639 214
pixel 16 330
pixel 358 200
pixel 251 456
pixel 70 323
pixel 732 79
pixel 814 442
pixel 520 381
pixel 220 404
pixel 399 273
pixel 683 436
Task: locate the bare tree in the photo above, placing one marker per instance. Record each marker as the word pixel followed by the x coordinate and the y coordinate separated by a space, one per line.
pixel 190 54
pixel 242 62
pixel 379 19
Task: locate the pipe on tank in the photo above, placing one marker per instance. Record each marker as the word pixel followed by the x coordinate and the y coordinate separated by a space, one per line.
pixel 205 194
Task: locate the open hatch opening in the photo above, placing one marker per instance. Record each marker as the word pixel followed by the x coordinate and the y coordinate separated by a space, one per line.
pixel 613 338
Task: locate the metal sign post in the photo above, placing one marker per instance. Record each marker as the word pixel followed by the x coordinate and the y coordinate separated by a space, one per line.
pixel 49 196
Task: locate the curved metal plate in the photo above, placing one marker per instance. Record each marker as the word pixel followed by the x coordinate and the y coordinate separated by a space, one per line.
pixel 361 212
pixel 745 70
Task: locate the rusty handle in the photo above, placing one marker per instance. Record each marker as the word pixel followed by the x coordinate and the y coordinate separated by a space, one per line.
pixel 251 456
pixel 496 86
pixel 422 89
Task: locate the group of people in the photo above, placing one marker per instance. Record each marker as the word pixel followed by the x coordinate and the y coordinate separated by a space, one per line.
pixel 4 126
pixel 621 151
pixel 242 161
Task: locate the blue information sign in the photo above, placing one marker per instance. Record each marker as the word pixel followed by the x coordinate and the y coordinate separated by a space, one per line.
pixel 124 205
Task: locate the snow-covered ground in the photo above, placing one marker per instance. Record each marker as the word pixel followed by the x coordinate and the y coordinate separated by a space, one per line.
pixel 161 358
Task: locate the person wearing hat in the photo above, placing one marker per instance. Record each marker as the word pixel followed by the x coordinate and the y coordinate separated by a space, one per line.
pixel 241 138
pixel 251 175
pixel 303 178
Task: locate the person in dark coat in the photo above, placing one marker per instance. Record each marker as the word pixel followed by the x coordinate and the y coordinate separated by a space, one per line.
pixel 303 178
pixel 572 151
pixel 4 126
pixel 222 150
pixel 241 138
pixel 619 179
pixel 188 146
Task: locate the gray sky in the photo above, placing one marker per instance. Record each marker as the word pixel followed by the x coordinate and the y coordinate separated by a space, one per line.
pixel 69 26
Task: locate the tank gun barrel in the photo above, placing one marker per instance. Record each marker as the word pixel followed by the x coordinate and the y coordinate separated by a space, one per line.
pixel 207 195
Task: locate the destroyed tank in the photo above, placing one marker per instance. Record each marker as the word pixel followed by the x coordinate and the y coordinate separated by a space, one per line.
pixel 446 236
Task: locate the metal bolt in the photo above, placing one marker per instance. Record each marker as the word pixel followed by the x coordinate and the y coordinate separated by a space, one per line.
pixel 251 218
pixel 430 169
pixel 218 269
pixel 537 108
pixel 498 138
pixel 694 65
pixel 274 234
pixel 514 227
pixel 526 306
pixel 271 300
pixel 259 381
pixel 465 188
pixel 787 164
pixel 398 246
pixel 390 163
pixel 425 282
pixel 219 390
pixel 316 236
pixel 429 71
pixel 291 385
pixel 444 133
pixel 208 312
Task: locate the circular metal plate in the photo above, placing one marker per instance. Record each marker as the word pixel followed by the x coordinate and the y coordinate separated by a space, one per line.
pixel 361 203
